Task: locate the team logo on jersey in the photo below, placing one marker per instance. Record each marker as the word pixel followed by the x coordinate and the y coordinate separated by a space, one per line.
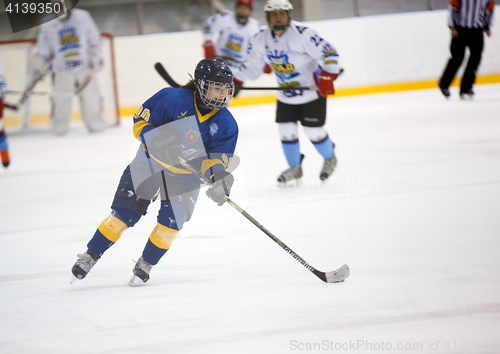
pixel 328 51
pixel 192 136
pixel 183 115
pixel 69 39
pixel 213 129
pixel 289 84
pixel 282 67
pixel 234 43
pixel 231 52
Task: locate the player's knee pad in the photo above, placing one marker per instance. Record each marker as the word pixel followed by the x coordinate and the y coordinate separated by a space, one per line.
pixel 112 227
pixel 315 134
pixel 162 236
pixel 130 218
pixel 288 131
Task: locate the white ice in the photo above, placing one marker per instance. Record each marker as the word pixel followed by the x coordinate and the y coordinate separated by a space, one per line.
pixel 413 209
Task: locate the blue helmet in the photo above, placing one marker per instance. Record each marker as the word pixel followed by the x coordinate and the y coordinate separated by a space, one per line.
pixel 214 81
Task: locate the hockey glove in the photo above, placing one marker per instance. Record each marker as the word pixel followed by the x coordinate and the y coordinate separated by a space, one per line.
pixel 166 147
pixel 209 49
pixel 222 182
pixel 325 83
pixel 39 66
pixel 96 59
pixel 267 69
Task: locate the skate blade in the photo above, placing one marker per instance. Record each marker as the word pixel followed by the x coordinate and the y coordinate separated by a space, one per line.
pixel 73 279
pixel 292 183
pixel 324 179
pixel 339 275
pixel 135 281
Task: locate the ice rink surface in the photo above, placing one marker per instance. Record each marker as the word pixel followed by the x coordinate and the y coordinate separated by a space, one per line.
pixel 413 208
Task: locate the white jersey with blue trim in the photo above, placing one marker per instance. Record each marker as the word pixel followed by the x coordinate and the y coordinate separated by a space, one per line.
pixel 294 57
pixel 68 41
pixel 233 37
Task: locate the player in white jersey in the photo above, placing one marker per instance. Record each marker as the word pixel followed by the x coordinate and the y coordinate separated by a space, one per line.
pixel 234 30
pixel 299 57
pixel 4 147
pixel 73 43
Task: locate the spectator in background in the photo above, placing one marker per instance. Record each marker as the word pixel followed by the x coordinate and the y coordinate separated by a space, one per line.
pixel 468 19
pixel 234 30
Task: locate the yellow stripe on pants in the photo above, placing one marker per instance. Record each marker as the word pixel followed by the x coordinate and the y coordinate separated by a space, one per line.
pixel 162 236
pixel 112 228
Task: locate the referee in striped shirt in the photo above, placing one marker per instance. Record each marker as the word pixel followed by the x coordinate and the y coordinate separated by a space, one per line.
pixel 467 21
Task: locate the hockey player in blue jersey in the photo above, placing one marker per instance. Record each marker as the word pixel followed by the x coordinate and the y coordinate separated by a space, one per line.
pixel 192 123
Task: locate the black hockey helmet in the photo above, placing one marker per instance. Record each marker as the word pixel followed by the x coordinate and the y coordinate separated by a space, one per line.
pixel 214 81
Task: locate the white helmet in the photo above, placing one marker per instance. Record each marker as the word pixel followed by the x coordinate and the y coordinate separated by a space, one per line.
pixel 276 5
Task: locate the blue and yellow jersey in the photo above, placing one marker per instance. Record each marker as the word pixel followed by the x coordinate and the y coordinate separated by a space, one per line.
pixel 208 141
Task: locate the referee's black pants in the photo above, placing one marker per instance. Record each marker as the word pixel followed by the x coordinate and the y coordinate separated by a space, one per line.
pixel 467 37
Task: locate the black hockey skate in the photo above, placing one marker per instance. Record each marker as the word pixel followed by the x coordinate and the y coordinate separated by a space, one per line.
pixel 445 91
pixel 328 168
pixel 292 173
pixel 467 95
pixel 141 272
pixel 83 265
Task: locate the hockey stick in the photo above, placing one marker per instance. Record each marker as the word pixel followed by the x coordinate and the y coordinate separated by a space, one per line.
pixel 32 93
pixel 160 69
pixel 10 106
pixel 26 93
pixel 335 276
pixel 279 88
pixel 163 73
pixel 78 89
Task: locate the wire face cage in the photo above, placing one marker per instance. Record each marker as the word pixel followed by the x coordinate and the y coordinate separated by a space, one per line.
pixel 215 95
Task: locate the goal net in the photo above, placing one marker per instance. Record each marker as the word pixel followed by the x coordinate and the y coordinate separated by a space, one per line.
pixel 17 57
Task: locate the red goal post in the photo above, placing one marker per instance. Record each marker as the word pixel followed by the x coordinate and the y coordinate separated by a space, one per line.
pixel 17 58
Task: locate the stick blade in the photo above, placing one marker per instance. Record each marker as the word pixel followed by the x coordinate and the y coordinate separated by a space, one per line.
pixel 338 276
pixel 11 106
